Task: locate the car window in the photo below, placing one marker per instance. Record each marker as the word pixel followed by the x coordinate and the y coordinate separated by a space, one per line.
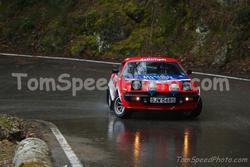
pixel 156 67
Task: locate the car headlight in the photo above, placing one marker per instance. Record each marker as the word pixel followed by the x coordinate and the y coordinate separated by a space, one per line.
pixel 174 87
pixel 186 85
pixel 136 85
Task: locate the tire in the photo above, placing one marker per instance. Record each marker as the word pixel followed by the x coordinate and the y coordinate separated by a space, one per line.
pixel 194 113
pixel 109 101
pixel 119 110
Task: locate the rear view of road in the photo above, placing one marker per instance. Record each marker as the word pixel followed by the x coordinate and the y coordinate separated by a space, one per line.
pixel 146 139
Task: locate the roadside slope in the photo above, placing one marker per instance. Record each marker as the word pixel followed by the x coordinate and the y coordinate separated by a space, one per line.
pixel 206 35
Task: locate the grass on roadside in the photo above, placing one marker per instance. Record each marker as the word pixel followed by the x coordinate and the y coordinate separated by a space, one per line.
pixel 9 122
pixel 34 164
pixel 7 151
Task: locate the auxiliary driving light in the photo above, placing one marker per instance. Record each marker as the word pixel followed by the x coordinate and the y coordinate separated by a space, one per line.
pixel 152 86
pixel 137 98
pixel 174 87
pixel 136 85
pixel 186 85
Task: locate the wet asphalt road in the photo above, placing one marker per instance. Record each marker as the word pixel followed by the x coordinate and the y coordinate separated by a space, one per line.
pixel 147 139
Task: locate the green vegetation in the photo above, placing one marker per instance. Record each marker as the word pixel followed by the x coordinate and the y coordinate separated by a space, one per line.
pixel 34 164
pixel 202 32
pixel 8 122
pixel 11 128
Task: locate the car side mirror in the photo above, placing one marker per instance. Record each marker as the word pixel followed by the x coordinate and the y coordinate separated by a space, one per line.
pixel 189 72
pixel 115 70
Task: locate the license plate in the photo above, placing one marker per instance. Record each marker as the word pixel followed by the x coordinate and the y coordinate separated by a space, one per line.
pixel 167 100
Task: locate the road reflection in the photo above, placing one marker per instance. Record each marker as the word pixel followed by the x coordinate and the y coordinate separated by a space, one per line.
pixel 137 148
pixel 153 143
pixel 186 143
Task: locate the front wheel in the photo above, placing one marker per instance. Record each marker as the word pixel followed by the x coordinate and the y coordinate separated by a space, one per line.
pixel 194 113
pixel 109 101
pixel 119 110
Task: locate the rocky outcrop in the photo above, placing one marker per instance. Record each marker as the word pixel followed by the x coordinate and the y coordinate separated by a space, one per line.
pixel 233 2
pixel 202 32
pixel 32 151
pixel 222 55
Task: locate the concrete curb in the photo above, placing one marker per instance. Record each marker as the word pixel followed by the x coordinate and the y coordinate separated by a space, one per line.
pixel 32 150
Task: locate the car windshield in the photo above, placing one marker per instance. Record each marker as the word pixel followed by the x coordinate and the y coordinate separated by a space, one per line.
pixel 154 67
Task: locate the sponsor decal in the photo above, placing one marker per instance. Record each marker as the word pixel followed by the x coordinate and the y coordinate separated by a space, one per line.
pixel 157 77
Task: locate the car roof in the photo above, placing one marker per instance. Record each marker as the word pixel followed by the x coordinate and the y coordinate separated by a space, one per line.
pixel 132 59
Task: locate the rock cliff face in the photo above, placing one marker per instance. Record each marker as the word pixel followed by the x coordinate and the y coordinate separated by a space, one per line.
pixel 203 33
pixel 233 2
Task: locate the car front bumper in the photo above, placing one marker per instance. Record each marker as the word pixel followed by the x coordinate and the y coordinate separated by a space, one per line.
pixel 141 101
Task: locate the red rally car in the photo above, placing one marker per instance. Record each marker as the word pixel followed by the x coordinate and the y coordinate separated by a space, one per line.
pixel 153 83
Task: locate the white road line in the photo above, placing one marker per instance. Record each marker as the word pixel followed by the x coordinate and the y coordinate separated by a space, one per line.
pixel 73 159
pixel 59 58
pixel 222 76
pixel 113 63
